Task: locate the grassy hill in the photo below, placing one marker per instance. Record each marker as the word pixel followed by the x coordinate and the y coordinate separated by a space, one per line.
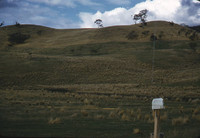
pixel 98 76
pixel 36 55
pixel 43 37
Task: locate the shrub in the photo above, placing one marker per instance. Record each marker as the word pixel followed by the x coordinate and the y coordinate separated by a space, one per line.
pixel 136 131
pixel 18 38
pixel 147 117
pixel 195 101
pixel 153 37
pixel 84 113
pixel 74 115
pixel 145 33
pixel 54 121
pixel 194 36
pixel 100 117
pixel 161 35
pixel 112 114
pixel 125 117
pixel 132 35
pixel 87 102
pixel 196 110
pixel 120 112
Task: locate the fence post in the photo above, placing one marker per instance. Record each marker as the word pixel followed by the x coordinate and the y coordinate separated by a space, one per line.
pixel 156 123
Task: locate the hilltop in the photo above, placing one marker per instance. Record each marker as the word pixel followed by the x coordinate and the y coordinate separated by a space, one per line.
pixel 38 36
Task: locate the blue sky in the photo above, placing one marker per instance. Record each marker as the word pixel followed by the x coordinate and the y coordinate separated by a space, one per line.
pixel 82 13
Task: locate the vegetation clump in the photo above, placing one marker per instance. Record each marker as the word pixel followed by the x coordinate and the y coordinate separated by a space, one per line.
pixel 18 38
pixel 132 35
pixel 54 121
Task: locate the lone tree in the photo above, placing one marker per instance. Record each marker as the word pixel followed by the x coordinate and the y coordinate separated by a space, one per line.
pixel 17 24
pixel 2 23
pixel 141 16
pixel 99 22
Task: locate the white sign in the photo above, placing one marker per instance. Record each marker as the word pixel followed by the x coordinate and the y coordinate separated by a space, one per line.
pixel 157 103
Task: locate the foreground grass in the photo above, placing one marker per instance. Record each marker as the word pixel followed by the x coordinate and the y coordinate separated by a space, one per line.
pixel 73 114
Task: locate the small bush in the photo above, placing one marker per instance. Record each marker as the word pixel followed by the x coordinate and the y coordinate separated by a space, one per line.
pixel 161 35
pixel 139 116
pixel 194 36
pixel 74 115
pixel 125 117
pixel 196 110
pixel 18 38
pixel 147 117
pixel 87 102
pixel 120 112
pixel 153 37
pixel 84 113
pixel 145 33
pixel 112 114
pixel 132 35
pixel 100 117
pixel 54 121
pixel 195 101
pixel 136 131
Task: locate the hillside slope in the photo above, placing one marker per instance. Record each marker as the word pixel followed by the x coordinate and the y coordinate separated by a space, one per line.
pixel 35 55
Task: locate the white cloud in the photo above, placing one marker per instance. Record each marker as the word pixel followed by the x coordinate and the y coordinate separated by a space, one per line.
pixel 114 17
pixel 178 11
pixel 26 13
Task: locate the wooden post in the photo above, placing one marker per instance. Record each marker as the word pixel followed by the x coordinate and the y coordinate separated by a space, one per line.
pixel 156 123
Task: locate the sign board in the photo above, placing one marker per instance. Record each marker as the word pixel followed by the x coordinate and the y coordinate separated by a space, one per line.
pixel 157 103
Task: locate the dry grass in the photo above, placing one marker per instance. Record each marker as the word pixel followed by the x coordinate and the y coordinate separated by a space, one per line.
pixel 112 114
pixel 54 121
pixel 196 110
pixel 195 101
pixel 180 121
pixel 84 113
pixel 74 115
pixel 136 131
pixel 100 117
pixel 125 117
pixel 87 102
pixel 164 117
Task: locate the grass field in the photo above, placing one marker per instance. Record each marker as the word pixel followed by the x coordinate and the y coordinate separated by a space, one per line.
pixel 98 82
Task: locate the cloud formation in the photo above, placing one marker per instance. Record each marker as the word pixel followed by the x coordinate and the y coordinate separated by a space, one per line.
pixel 178 11
pixel 25 12
pixel 71 13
